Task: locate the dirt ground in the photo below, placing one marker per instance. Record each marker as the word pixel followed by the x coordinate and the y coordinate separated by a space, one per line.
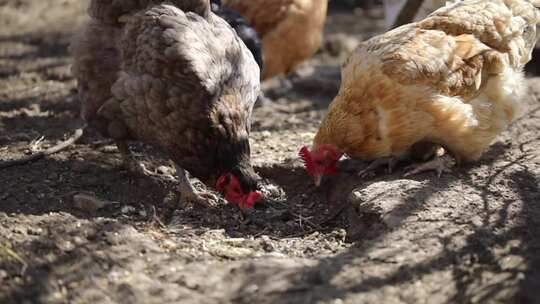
pixel 471 236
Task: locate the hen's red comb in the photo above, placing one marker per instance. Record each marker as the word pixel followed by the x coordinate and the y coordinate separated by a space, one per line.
pixel 306 158
pixel 331 152
pixel 226 180
pixel 250 199
pixel 222 182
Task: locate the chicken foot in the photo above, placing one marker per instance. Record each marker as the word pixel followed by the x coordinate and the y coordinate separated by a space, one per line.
pixel 189 193
pixel 442 162
pixel 389 161
pixel 130 163
pixel 186 188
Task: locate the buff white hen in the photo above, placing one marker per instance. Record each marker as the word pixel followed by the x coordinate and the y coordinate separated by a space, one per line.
pixel 453 79
pixel 291 30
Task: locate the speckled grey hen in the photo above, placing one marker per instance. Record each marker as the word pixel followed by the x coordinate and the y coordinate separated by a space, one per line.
pixel 111 11
pixel 180 80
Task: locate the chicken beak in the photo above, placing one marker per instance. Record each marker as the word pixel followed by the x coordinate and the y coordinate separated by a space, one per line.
pixel 317 179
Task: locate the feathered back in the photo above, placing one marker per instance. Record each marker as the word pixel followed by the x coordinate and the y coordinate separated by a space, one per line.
pixel 109 11
pixel 188 85
pixel 509 26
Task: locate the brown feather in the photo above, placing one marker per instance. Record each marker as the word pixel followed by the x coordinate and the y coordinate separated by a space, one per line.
pixel 184 83
pixel 109 11
pixel 291 30
pixel 454 79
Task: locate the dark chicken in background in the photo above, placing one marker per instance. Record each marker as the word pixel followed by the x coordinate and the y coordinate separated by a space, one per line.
pixel 178 79
pixel 244 30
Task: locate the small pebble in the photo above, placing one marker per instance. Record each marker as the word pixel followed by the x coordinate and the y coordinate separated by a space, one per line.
pixel 34 231
pixel 164 170
pixel 128 209
pixel 18 230
pixel 266 244
pixel 266 134
pixel 78 240
pixel 109 149
pixel 66 246
pixel 3 275
pixel 89 203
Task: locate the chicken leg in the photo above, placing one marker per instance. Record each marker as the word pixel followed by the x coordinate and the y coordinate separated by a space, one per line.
pixel 189 193
pixel 389 161
pixel 130 163
pixel 442 162
pixel 186 188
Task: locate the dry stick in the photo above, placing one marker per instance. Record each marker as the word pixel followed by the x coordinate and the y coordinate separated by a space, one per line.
pixel 54 149
pixel 407 13
pixel 317 227
pixel 155 218
pixel 9 253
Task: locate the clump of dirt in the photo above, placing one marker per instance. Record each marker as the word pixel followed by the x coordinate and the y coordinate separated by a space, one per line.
pixel 75 227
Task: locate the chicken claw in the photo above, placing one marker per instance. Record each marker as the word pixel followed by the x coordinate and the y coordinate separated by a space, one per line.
pixel 133 166
pixel 440 164
pixel 390 161
pixel 188 192
pixel 206 199
pixel 136 168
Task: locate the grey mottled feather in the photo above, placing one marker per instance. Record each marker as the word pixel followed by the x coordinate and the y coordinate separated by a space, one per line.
pixel 96 65
pixel 187 85
pixel 109 11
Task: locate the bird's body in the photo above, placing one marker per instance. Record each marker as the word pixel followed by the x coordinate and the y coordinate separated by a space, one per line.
pixel 453 79
pixel 291 30
pixel 110 11
pixel 177 80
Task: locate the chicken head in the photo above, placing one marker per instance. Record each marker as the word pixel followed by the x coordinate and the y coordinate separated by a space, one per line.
pixel 321 161
pixel 231 189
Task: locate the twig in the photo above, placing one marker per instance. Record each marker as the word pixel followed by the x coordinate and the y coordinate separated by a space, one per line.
pixel 523 144
pixel 315 227
pixel 155 218
pixel 54 149
pixel 407 13
pixel 307 220
pixel 35 145
pixel 272 201
pixel 261 233
pixel 300 234
pixel 4 250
